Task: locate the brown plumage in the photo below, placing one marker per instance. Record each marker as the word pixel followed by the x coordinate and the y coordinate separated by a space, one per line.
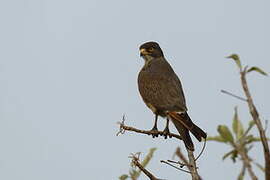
pixel 162 92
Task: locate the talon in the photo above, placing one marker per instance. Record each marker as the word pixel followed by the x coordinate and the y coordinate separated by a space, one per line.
pixel 166 133
pixel 154 132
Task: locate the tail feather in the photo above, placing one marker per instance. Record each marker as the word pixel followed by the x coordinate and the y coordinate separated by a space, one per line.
pixel 183 131
pixel 187 123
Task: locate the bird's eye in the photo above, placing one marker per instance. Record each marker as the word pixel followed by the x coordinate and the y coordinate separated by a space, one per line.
pixel 151 49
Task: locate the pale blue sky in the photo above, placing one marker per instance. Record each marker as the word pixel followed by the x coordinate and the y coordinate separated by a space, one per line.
pixel 68 72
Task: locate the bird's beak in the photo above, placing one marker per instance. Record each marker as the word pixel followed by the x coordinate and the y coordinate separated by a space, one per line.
pixel 143 52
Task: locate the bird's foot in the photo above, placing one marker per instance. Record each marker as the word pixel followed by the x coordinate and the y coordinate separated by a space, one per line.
pixel 154 132
pixel 166 133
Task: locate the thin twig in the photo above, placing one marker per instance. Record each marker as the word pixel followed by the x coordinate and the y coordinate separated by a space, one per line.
pixel 181 156
pixel 233 95
pixel 178 162
pixel 167 162
pixel 191 165
pixel 259 166
pixel 242 173
pixel 182 164
pixel 255 115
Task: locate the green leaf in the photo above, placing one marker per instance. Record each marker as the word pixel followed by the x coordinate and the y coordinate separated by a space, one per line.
pixel 248 139
pixel 123 177
pixel 215 138
pixel 237 125
pixel 225 133
pixel 257 69
pixel 227 154
pixel 148 157
pixel 251 123
pixel 236 59
pixel 256 139
pixel 133 174
pixel 233 153
pixel 240 176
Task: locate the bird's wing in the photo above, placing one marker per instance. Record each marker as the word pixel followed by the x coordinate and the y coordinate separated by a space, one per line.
pixel 162 90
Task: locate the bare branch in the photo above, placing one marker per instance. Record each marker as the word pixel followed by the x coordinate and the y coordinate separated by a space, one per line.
pixel 193 168
pixel 135 161
pixel 178 162
pixel 123 128
pixel 181 156
pixel 191 164
pixel 180 169
pixel 242 173
pixel 255 115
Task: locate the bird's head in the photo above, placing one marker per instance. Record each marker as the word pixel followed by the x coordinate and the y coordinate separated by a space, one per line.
pixel 150 50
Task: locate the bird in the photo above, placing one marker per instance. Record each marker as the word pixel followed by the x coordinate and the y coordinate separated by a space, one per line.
pixel 161 91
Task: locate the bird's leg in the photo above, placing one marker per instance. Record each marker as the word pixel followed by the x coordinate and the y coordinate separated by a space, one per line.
pixel 166 131
pixel 155 129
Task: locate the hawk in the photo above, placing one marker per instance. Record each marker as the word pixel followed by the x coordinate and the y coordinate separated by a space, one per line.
pixel 162 92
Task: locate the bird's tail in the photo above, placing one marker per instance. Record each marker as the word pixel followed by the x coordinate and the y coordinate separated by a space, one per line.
pixel 184 124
